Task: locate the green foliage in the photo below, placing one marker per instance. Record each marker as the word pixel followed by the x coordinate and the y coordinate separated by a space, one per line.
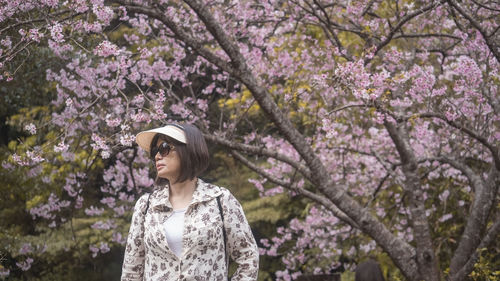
pixel 29 72
pixel 347 276
pixel 488 266
pixel 269 209
pixel 59 254
pixel 64 266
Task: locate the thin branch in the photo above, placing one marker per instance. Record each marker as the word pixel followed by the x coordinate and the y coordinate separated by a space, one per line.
pixel 241 116
pixel 474 178
pixel 183 35
pixel 21 64
pixel 11 54
pixel 469 132
pixel 290 186
pixel 400 24
pixel 353 150
pixel 36 20
pixel 377 189
pixel 130 168
pixel 262 151
pixel 340 28
pixel 490 43
pixel 494 31
pixel 484 6
pixel 417 35
pixel 390 170
pixel 346 107
pixel 81 46
pixel 367 8
pixel 327 28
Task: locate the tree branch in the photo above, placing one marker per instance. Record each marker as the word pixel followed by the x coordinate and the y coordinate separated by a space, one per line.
pixel 290 186
pixel 484 6
pixel 346 107
pixel 327 27
pixel 398 26
pixel 367 8
pixel 494 151
pixel 38 20
pixel 426 257
pixel 491 44
pixel 260 93
pixel 484 200
pixel 184 36
pixel 491 235
pixel 256 150
pixel 417 35
pixel 400 251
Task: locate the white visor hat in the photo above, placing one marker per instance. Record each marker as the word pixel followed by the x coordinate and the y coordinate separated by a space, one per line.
pixel 173 131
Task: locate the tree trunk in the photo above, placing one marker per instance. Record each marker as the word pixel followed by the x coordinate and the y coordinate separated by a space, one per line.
pixel 426 259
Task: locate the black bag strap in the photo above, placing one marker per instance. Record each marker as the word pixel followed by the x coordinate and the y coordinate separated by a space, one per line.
pixel 147 205
pixel 223 230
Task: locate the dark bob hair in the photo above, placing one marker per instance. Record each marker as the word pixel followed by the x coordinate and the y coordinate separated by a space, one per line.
pixel 193 155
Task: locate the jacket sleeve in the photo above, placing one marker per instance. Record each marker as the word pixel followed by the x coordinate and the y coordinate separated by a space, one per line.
pixel 240 241
pixel 133 262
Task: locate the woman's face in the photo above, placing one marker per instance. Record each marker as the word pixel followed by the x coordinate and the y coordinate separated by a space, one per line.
pixel 168 166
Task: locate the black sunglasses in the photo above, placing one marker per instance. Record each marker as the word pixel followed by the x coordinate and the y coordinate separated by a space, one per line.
pixel 164 149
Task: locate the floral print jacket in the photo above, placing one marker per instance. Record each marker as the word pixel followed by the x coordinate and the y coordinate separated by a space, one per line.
pixel 148 257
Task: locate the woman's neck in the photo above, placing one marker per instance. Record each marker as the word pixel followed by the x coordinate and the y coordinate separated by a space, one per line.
pixel 181 193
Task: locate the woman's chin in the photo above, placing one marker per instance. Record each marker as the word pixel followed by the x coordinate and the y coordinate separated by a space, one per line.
pixel 164 176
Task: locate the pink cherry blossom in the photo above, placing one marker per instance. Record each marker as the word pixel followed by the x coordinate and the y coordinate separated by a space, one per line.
pixel 30 128
pixel 106 49
pixel 25 265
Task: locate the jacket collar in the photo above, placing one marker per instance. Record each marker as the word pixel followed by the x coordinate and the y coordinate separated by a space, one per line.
pixel 203 192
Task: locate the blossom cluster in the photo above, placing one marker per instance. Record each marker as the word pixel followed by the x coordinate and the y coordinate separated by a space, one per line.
pixel 49 210
pixel 102 248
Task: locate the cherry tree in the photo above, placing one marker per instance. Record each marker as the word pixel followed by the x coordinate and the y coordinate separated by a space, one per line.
pixel 380 112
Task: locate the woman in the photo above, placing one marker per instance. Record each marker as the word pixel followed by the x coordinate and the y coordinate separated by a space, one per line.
pixel 186 229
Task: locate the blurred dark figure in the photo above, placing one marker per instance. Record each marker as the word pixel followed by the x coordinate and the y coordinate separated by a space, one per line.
pixel 369 271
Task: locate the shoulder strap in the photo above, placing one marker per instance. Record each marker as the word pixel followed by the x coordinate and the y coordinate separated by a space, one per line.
pixel 147 205
pixel 223 230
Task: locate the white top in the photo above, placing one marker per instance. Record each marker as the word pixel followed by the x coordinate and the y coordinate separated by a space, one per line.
pixel 174 227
